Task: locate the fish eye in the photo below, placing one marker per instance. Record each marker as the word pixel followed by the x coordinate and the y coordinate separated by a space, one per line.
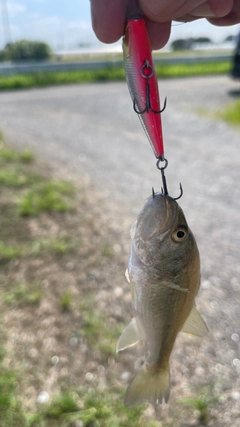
pixel 179 235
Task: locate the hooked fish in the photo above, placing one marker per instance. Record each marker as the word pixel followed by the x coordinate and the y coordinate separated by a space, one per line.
pixel 164 275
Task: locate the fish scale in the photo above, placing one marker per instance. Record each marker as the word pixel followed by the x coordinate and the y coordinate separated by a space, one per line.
pixel 164 274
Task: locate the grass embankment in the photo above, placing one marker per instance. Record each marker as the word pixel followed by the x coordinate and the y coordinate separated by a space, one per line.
pixel 59 325
pixel 61 302
pixel 231 114
pixel 108 74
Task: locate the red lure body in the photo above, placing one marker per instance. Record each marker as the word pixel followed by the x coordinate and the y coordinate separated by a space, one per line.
pixel 142 81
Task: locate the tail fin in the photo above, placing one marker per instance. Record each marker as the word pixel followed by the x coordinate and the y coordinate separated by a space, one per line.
pixel 148 386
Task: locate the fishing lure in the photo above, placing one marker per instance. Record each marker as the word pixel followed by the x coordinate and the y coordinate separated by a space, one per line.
pixel 141 78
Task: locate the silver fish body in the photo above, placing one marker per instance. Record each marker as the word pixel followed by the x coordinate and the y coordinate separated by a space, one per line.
pixel 164 274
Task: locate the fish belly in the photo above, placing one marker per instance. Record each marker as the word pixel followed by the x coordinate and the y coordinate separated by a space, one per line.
pixel 162 311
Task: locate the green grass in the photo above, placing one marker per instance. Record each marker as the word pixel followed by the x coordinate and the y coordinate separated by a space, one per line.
pixel 231 114
pixel 41 195
pixel 26 156
pixel 23 294
pixel 57 246
pixel 110 73
pixel 201 403
pixel 62 405
pixel 49 196
pixel 100 333
pixel 11 412
pixel 8 252
pixel 200 69
pixel 9 155
pixel 66 301
pixel 12 178
pixel 107 250
pixel 100 408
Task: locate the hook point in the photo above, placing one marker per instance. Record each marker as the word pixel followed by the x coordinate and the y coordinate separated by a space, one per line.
pixel 181 192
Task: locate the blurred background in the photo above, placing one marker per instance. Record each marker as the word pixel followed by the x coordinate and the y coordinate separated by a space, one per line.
pixel 76 169
pixel 66 26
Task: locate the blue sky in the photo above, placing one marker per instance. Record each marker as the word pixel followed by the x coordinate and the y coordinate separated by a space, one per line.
pixel 64 24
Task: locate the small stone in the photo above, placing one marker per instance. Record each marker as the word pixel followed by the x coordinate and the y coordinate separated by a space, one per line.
pixel 235 395
pixel 101 369
pixel 55 360
pixel 236 362
pixel 43 397
pixel 73 341
pixel 214 304
pixel 82 157
pixel 235 337
pixel 200 371
pixel 118 291
pixel 117 248
pixel 89 376
pixel 125 376
pixel 70 266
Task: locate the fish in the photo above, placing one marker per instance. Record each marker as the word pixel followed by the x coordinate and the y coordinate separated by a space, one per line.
pixel 164 276
pixel 142 80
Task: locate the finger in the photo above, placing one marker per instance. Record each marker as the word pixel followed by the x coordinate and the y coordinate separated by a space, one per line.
pixel 108 18
pixel 232 18
pixel 213 8
pixel 166 10
pixel 187 18
pixel 159 33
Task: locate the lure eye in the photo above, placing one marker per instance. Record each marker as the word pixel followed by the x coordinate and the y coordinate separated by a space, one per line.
pixel 180 234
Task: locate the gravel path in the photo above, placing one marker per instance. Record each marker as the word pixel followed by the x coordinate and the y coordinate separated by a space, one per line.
pixel 92 129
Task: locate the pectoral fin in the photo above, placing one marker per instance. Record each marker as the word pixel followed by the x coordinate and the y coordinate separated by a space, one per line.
pixel 130 336
pixel 195 324
pixel 127 275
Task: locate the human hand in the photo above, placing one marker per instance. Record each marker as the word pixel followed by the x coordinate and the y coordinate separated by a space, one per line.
pixel 108 16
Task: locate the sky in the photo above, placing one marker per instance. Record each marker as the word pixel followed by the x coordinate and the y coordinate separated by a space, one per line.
pixel 65 24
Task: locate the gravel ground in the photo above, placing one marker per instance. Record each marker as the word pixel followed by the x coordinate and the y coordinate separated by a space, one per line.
pixel 92 129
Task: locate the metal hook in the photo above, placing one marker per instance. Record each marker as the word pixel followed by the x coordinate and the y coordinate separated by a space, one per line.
pixel 181 193
pixel 146 65
pixel 148 106
pixel 162 109
pixel 164 181
pixel 162 168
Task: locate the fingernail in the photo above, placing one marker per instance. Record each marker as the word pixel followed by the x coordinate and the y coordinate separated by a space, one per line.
pixel 203 11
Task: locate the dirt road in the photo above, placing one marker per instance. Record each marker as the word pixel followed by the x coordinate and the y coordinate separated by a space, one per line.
pixel 92 129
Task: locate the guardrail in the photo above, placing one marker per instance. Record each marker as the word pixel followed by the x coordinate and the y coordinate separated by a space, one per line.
pixel 8 69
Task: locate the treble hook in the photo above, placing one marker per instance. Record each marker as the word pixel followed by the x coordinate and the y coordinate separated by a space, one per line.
pixel 162 168
pixel 181 193
pixel 148 106
pixel 164 181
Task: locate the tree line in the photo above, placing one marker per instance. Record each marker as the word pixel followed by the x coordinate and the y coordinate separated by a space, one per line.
pixel 26 50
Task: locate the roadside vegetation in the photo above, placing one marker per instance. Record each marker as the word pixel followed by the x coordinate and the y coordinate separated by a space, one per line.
pixel 26 50
pixel 110 73
pixel 231 114
pixel 62 305
pixel 57 334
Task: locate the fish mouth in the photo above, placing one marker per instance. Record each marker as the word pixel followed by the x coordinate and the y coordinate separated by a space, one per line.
pixel 157 217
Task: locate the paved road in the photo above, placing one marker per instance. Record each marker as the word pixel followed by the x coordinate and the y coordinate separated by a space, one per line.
pixel 92 129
